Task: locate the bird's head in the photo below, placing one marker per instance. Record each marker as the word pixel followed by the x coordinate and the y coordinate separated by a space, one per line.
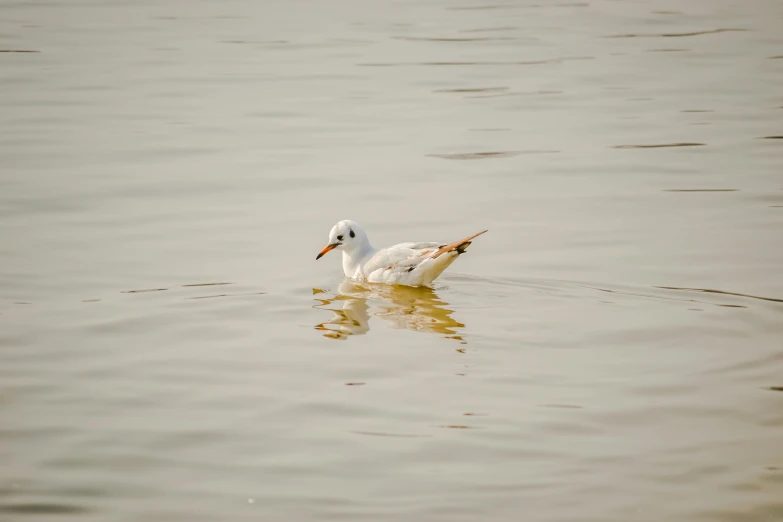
pixel 346 235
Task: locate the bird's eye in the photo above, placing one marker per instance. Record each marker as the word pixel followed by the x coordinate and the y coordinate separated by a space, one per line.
pixel 339 238
pixel 352 234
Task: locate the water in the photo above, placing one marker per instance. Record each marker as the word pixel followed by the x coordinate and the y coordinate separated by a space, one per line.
pixel 610 350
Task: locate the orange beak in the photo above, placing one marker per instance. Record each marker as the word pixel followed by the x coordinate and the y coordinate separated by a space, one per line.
pixel 325 250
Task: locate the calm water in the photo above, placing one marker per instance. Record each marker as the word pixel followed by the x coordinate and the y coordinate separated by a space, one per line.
pixel 612 350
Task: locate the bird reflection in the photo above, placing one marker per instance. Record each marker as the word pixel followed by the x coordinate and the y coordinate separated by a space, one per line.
pixel 404 307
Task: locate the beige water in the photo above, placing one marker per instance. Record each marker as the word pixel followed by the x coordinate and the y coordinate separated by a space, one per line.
pixel 612 350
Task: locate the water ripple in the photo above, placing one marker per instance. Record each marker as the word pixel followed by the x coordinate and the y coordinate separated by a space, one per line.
pixel 490 29
pixel 488 155
pixel 674 35
pixel 477 89
pixel 660 145
pixel 39 508
pixel 724 292
pixel 445 39
pixel 450 64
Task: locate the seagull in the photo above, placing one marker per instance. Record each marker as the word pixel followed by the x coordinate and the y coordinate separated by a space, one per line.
pixel 411 264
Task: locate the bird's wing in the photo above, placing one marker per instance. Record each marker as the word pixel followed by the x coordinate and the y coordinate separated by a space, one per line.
pixel 406 257
pixel 400 257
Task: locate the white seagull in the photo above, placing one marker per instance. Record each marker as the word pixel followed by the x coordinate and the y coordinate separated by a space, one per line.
pixel 411 264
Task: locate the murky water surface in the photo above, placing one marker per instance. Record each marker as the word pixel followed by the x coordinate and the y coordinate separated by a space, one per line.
pixel 612 350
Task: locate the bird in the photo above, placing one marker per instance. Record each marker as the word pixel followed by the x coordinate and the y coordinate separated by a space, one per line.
pixel 410 264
